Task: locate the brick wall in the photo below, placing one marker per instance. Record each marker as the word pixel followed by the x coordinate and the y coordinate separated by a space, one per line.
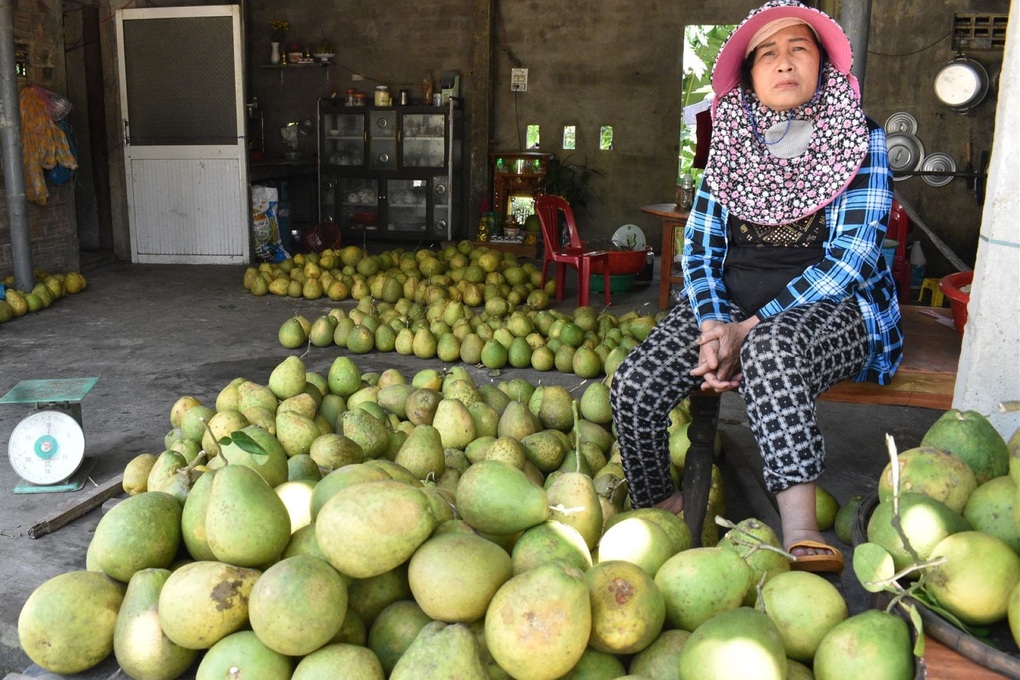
pixel 52 227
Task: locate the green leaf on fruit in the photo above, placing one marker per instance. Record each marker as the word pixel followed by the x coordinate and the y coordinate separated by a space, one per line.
pixel 915 620
pixel 243 441
pixel 874 567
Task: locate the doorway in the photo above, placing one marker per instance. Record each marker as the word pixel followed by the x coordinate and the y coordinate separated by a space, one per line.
pixel 182 100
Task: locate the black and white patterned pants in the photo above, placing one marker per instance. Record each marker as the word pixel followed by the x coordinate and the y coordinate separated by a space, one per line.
pixel 787 362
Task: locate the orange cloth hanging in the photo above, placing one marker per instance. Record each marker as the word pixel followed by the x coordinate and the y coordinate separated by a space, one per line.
pixel 43 144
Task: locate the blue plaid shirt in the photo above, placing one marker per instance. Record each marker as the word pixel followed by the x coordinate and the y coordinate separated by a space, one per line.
pixel 852 266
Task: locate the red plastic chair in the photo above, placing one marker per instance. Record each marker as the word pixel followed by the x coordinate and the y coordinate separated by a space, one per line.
pixel 899 229
pixel 574 254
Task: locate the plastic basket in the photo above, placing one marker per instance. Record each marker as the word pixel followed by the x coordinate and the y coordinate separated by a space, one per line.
pixel 951 287
pixel 618 283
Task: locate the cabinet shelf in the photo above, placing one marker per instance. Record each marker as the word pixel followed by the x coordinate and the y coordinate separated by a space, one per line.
pixel 407 156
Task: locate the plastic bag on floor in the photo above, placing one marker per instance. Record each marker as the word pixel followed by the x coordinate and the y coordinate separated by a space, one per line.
pixel 264 201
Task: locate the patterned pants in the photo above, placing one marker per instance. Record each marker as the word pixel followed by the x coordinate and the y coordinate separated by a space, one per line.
pixel 787 362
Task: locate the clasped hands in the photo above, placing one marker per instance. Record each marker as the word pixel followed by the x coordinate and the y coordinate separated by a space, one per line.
pixel 719 357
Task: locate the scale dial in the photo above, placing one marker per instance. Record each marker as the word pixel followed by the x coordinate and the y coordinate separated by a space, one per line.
pixel 47 447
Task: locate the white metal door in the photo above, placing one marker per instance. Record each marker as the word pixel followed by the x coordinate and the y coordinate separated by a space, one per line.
pixel 181 91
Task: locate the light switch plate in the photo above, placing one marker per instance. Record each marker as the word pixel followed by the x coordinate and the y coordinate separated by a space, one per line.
pixel 519 80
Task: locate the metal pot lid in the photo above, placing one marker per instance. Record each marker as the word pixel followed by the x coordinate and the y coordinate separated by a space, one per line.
pixel 906 152
pixel 961 84
pixel 901 121
pixel 938 162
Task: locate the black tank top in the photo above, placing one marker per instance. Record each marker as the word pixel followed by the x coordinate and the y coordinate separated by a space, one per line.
pixel 762 259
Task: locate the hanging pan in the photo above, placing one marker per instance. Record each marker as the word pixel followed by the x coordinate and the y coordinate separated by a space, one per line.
pixel 961 84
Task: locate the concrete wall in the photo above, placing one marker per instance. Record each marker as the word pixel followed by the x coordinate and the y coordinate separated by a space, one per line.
pixel 54 242
pixel 591 63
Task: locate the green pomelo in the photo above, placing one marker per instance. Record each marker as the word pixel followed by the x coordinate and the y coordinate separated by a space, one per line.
pixel 673 524
pixel 368 431
pixel 970 437
pixel 748 540
pixel 976 578
pixel 341 478
pixel 140 532
pixel 441 651
pixel 636 540
pixel 539 622
pixel 701 583
pixel 496 498
pixel 804 607
pixel 422 453
pixel 368 529
pixel 243 655
pixel 932 472
pixel 454 422
pixel 627 608
pixel 991 508
pixel 193 532
pixel 594 404
pixel 872 644
pixel 139 644
pixel 203 602
pixel 246 523
pixel 596 665
pixel 573 501
pixel 550 541
pixel 843 525
pixel 343 377
pixel 517 421
pixel 359 663
pixel 394 629
pixel 660 659
pixel 297 498
pixel 296 432
pixel 367 597
pixel 454 576
pixel 298 605
pixel 925 522
pixel 66 625
pixel 333 451
pixel 740 643
pixel 270 461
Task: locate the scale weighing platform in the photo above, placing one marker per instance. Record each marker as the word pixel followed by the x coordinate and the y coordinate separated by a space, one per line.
pixel 47 448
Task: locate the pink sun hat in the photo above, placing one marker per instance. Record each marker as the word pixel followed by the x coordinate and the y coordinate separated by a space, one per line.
pixel 726 73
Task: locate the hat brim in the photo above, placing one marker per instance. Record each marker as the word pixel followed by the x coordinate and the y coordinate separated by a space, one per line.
pixel 726 74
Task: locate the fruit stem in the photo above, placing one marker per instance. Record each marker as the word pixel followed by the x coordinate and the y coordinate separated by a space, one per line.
pixel 751 541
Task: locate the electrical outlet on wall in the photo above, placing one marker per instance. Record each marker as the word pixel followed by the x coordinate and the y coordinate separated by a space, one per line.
pixel 519 80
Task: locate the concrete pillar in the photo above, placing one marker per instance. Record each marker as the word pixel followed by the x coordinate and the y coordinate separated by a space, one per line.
pixel 989 369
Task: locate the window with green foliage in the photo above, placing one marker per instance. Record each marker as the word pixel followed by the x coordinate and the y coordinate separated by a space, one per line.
pixel 701 46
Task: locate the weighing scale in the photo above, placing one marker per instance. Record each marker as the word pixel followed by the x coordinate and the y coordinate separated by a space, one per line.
pixel 47 449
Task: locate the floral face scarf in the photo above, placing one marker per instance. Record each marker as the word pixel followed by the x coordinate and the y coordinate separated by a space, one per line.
pixel 775 167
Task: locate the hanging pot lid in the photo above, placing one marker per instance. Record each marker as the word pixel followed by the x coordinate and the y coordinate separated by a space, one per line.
pixel 938 162
pixel 901 121
pixel 961 84
pixel 906 152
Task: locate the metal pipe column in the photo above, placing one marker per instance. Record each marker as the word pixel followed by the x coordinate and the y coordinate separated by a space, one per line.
pixel 855 17
pixel 10 139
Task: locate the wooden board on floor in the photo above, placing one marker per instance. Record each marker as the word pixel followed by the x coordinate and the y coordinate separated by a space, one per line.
pixel 927 376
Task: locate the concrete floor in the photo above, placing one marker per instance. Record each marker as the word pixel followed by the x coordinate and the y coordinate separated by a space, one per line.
pixel 154 333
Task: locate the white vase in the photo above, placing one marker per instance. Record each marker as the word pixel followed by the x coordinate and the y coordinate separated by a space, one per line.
pixel 274 56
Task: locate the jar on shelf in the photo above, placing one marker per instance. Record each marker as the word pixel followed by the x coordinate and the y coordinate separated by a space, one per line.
pixel 382 96
pixel 685 192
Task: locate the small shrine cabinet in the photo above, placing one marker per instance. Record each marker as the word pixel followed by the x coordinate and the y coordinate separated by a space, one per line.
pixel 517 177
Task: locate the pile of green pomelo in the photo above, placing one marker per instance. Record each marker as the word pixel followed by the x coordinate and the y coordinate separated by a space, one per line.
pixel 325 522
pixel 465 303
pixel 47 289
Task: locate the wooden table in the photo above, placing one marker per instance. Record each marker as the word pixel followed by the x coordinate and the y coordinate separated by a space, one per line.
pixel 673 220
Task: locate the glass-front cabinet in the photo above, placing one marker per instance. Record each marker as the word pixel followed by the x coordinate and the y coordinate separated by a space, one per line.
pixel 390 172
